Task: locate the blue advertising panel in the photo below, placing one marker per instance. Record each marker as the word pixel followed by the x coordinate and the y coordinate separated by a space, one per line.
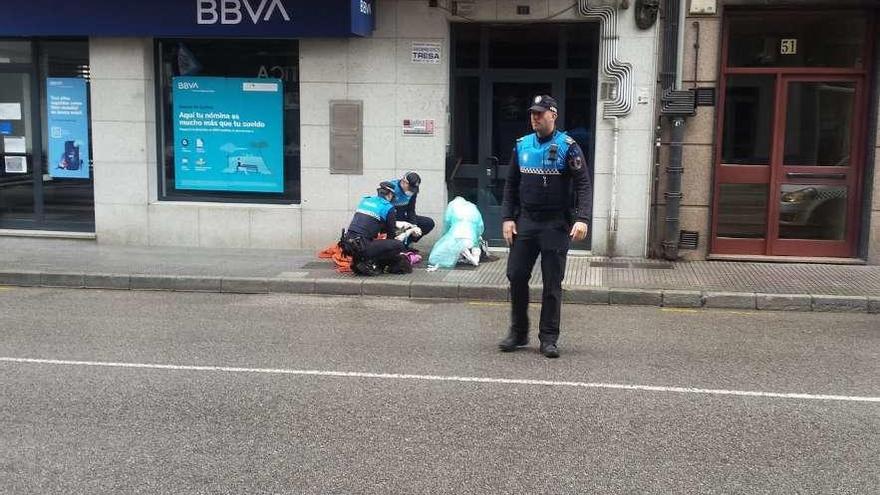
pixel 67 119
pixel 228 134
pixel 203 18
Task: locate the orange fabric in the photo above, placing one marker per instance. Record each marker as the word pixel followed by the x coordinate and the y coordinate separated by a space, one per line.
pixel 333 252
pixel 343 262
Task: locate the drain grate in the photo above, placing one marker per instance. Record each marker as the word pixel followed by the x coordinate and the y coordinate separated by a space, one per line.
pixel 312 265
pixel 608 264
pixel 654 266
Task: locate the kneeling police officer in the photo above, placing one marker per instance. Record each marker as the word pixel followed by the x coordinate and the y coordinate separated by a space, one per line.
pixel 371 256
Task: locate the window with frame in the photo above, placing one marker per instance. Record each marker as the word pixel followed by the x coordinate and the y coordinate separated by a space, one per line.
pixel 236 161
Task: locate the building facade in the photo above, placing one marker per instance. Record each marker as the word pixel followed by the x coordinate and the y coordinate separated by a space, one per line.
pixel 780 165
pixel 259 124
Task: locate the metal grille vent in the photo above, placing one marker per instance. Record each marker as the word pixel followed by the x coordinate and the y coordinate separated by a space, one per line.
pixel 705 97
pixel 688 239
pixel 522 10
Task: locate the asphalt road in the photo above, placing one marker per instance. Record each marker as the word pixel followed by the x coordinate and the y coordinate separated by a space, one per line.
pixel 250 398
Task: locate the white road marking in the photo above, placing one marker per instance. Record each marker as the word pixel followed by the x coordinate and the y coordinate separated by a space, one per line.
pixel 442 378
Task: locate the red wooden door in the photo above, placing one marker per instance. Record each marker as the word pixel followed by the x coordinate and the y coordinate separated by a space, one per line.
pixel 791 134
pixel 816 169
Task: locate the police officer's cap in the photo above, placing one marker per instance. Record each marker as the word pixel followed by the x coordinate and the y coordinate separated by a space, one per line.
pixel 385 187
pixel 542 103
pixel 414 180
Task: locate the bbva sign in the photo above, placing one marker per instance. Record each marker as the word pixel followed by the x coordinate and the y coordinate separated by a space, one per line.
pixel 234 11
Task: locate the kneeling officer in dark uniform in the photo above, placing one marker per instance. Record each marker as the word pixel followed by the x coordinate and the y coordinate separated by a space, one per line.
pixel 371 256
pixel 542 213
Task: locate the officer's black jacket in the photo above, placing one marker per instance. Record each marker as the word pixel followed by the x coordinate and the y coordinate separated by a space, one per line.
pixel 369 227
pixel 549 193
pixel 407 212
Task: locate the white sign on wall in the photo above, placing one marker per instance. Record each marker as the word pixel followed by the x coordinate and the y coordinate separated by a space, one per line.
pixel 704 6
pixel 425 53
pixel 418 127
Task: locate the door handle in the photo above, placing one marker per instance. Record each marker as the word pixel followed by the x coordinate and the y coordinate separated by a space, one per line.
pixel 808 175
pixel 492 169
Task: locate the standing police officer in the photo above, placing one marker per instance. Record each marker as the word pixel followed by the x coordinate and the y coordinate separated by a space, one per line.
pixel 541 217
pixel 371 256
pixel 406 190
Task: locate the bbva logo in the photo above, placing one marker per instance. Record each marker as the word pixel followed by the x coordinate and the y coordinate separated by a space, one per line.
pixel 230 11
pixel 187 85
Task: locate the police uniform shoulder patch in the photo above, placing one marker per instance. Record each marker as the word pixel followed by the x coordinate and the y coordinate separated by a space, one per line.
pixel 520 139
pixel 577 161
pixel 569 140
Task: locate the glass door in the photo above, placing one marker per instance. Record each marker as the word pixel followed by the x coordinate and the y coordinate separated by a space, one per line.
pixel 496 71
pixel 18 206
pixel 792 133
pixel 46 176
pixel 509 120
pixel 815 180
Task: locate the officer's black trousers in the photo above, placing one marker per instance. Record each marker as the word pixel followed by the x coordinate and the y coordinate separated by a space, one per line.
pixel 382 251
pixel 548 237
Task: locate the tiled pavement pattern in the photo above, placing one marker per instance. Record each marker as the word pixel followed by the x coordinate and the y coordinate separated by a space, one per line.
pixel 76 256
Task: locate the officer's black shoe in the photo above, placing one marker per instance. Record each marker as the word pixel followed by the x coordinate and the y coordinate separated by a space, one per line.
pixel 549 350
pixel 400 265
pixel 513 341
pixel 365 268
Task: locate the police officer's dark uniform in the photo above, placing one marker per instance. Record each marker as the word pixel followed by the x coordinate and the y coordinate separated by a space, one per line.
pixel 371 256
pixel 548 189
pixel 405 205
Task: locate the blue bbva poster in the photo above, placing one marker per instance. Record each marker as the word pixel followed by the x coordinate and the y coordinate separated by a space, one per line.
pixel 228 134
pixel 67 119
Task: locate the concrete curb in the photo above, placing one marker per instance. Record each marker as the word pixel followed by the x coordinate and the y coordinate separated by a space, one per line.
pixel 22 279
pixel 107 281
pixel 586 295
pixel 682 299
pixel 636 297
pixel 390 288
pixel 496 293
pixel 244 285
pixel 730 300
pixel 152 282
pixel 441 290
pixel 356 286
pixel 199 284
pixel 874 305
pixel 71 280
pixel 785 302
pixel 840 304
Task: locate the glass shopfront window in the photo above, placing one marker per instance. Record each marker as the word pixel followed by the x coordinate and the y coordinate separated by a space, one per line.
pixel 229 116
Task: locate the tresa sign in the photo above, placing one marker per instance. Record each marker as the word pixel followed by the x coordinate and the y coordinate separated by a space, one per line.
pixel 245 18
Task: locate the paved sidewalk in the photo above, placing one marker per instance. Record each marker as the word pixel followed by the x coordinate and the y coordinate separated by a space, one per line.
pixel 589 280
